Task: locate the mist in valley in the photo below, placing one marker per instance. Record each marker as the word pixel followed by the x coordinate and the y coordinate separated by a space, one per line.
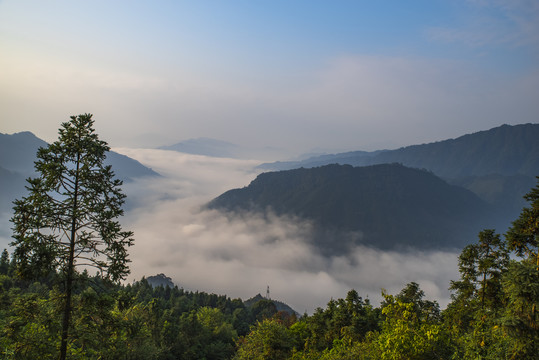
pixel 240 254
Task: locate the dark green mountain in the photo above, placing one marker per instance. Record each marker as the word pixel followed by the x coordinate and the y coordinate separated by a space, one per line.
pixel 387 206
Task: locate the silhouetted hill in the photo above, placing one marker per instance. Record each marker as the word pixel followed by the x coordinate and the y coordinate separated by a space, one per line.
pixel 223 149
pixel 17 156
pixel 160 280
pixel 18 153
pixel 281 306
pixel 205 146
pixel 346 158
pixel 386 206
pixel 11 189
pixel 505 150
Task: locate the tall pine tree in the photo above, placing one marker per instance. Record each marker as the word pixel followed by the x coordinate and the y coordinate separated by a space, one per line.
pixel 69 217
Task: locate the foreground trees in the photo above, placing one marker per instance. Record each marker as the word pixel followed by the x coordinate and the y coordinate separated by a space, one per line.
pixel 140 322
pixel 48 308
pixel 69 217
pixel 493 313
pixel 523 236
pixel 521 283
pixel 112 321
pixel 494 310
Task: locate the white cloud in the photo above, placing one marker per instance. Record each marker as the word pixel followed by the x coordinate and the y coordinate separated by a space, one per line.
pixel 239 255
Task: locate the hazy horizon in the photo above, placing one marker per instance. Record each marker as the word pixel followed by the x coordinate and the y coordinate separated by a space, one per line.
pixel 297 76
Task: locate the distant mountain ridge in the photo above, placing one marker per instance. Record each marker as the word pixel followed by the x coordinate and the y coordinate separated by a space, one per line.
pixel 17 156
pixel 205 146
pixel 387 206
pixel 499 165
pixel 18 153
pixel 504 150
pixel 223 149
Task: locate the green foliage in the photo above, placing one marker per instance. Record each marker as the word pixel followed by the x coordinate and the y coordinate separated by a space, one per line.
pixel 423 309
pixel 409 331
pixel 118 322
pixel 521 320
pixel 4 262
pixel 269 339
pixel 523 236
pixel 137 321
pixel 69 217
pixel 263 309
pixel 481 266
pixel 351 317
pixel 218 333
pixel 484 340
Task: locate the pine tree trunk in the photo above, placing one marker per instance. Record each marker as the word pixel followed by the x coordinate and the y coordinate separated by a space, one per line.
pixel 67 306
pixel 70 265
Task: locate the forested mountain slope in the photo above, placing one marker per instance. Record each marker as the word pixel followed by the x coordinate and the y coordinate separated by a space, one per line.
pixel 504 150
pixel 498 165
pixel 386 206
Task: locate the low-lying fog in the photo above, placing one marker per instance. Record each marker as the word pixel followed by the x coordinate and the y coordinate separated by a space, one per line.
pixel 239 256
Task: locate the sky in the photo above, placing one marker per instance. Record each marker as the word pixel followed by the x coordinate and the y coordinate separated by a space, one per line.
pixel 293 75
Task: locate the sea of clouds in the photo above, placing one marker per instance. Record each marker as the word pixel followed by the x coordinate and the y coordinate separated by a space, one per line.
pixel 240 255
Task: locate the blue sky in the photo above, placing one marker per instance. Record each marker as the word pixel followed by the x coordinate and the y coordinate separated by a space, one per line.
pixel 297 75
